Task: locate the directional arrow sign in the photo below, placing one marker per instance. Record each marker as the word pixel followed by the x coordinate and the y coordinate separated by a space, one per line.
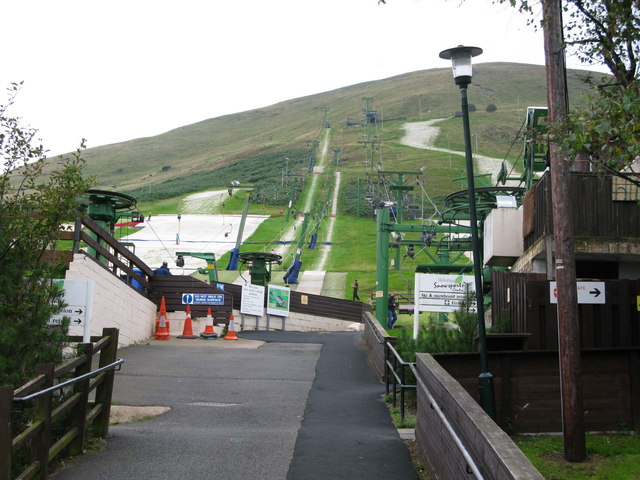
pixel 588 292
pixel 74 313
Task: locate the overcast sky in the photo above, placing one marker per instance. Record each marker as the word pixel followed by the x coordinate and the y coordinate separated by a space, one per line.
pixel 118 70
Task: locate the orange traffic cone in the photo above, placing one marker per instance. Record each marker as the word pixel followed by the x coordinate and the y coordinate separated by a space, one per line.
pixel 209 333
pixel 162 332
pixel 187 330
pixel 166 320
pixel 231 331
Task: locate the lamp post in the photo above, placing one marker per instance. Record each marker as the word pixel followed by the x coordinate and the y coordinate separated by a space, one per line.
pixel 460 57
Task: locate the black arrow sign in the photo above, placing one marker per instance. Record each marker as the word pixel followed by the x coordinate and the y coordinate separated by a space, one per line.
pixel 595 292
pixel 77 321
pixel 79 311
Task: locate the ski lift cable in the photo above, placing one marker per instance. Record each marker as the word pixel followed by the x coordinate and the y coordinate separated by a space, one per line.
pixel 433 204
pixel 511 146
pixel 159 239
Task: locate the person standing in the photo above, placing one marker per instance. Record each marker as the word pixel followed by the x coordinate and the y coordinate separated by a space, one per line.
pixel 355 291
pixel 392 316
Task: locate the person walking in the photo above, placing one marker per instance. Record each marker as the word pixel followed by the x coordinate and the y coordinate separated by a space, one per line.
pixel 163 270
pixel 355 291
pixel 392 316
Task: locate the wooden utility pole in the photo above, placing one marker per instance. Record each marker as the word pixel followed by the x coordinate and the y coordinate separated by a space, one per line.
pixel 568 329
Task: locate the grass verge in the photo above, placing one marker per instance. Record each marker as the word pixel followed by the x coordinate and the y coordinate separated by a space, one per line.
pixel 609 457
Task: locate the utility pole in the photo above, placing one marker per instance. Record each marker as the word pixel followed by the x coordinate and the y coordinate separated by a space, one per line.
pixel 568 330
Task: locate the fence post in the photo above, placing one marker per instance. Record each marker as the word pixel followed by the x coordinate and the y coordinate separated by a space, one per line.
pixel 6 397
pixel 77 229
pixel 104 391
pixel 79 417
pixel 42 412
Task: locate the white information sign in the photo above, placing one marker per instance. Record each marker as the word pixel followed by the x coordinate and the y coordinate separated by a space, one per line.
pixel 442 293
pixel 78 295
pixel 252 302
pixel 588 292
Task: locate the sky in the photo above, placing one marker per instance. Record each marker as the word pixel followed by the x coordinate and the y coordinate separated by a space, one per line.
pixel 124 69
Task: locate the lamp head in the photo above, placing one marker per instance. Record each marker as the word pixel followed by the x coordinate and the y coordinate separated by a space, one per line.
pixel 460 57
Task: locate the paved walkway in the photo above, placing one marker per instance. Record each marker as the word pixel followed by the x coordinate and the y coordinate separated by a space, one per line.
pixel 274 405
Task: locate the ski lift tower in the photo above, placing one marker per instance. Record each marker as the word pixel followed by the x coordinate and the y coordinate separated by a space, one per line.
pixel 259 265
pixel 105 208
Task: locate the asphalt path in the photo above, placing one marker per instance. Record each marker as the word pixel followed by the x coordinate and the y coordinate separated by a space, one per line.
pixel 301 406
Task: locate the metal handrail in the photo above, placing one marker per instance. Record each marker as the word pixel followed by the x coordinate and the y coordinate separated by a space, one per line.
pixel 397 360
pixel 465 453
pixel 71 381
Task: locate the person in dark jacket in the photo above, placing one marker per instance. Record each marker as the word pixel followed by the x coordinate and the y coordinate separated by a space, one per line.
pixel 392 316
pixel 355 291
pixel 163 270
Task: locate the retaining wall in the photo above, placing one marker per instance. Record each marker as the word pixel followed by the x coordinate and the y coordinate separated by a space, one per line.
pixel 115 304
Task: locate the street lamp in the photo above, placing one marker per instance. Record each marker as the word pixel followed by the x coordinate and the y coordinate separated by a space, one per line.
pixel 460 57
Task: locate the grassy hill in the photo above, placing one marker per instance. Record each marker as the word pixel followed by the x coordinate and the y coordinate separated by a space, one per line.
pixel 190 156
pixel 256 146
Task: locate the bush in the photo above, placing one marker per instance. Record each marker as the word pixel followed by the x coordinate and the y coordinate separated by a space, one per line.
pixel 491 108
pixel 33 206
pixel 440 337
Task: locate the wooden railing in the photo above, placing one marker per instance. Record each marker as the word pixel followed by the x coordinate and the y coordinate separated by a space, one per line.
pixel 112 254
pixel 54 413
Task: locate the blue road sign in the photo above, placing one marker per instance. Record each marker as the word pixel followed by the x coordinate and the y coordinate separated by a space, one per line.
pixel 203 299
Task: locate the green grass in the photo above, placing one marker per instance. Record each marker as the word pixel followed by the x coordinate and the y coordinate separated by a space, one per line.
pixel 609 457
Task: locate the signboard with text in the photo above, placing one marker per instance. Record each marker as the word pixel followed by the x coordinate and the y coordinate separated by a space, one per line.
pixel 588 292
pixel 78 296
pixel 442 293
pixel 203 299
pixel 252 301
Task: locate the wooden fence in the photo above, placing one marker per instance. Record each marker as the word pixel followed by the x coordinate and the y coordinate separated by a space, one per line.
pixel 526 302
pixel 52 429
pixel 456 437
pixel 527 387
pixel 595 212
pixel 172 286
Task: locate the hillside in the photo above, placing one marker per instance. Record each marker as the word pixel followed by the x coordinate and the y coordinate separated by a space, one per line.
pixel 282 130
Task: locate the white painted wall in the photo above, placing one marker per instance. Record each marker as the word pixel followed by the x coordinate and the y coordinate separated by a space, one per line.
pixel 115 304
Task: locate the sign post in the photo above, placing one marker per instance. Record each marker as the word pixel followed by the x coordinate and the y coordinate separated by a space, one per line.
pixel 440 293
pixel 78 296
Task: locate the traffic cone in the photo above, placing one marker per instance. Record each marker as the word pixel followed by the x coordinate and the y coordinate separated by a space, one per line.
pixel 187 330
pixel 231 331
pixel 162 332
pixel 163 308
pixel 209 333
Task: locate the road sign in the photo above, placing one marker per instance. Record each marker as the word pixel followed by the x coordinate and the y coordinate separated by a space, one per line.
pixel 443 293
pixel 588 292
pixel 203 299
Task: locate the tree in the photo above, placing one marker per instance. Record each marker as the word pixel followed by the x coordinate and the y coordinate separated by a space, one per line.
pixel 605 126
pixel 33 206
pixel 491 108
